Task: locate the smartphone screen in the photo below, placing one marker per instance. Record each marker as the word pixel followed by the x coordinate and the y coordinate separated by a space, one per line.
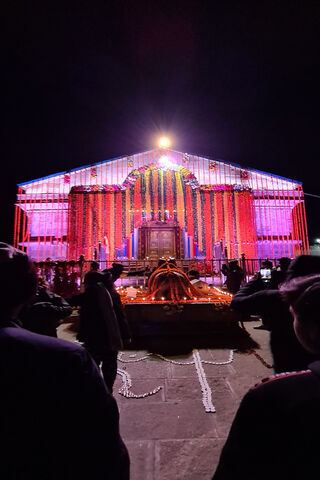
pixel 265 273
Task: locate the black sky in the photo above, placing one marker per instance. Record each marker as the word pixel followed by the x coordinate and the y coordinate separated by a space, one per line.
pixel 89 81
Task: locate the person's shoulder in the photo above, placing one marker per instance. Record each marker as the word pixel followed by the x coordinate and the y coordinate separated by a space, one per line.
pixel 23 339
pixel 280 379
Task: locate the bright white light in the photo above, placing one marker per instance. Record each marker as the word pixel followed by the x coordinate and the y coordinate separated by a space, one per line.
pixel 317 240
pixel 165 162
pixel 164 142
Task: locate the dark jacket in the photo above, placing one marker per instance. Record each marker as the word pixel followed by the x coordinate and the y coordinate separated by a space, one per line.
pixel 288 354
pixel 275 433
pixel 45 312
pixel 234 276
pixel 58 420
pixel 98 327
pixel 120 314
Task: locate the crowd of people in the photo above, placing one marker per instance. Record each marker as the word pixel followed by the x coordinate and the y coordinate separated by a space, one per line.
pixel 274 433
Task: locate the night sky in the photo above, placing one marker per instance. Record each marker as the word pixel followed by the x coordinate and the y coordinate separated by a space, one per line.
pixel 237 81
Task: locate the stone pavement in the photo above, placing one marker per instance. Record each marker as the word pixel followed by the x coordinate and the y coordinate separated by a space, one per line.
pixel 169 435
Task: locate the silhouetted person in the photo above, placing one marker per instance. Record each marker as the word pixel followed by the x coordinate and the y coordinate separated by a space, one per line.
pixel 116 271
pixel 266 264
pixel 278 274
pixel 45 311
pixel 94 267
pixel 234 274
pixel 254 299
pixel 118 307
pixel 275 433
pixel 58 419
pixel 99 328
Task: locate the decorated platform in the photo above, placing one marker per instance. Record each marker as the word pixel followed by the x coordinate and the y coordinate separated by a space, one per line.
pixel 172 311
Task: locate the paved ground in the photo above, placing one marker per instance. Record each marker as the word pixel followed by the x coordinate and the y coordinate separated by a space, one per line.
pixel 169 435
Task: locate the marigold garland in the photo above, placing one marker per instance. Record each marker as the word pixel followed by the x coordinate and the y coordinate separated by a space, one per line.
pixel 137 203
pixel 112 225
pixel 148 196
pixel 118 217
pixel 207 215
pixel 199 219
pixel 180 201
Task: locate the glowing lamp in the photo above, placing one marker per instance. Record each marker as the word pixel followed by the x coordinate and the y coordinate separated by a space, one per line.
pixel 164 142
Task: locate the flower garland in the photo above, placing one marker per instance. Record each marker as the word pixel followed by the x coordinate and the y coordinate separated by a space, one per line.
pixel 148 196
pixel 93 172
pixel 189 211
pixel 218 215
pixel 100 219
pixel 162 190
pixel 180 204
pixel 118 217
pixel 137 203
pixel 151 196
pixel 244 174
pixel 159 195
pixel 169 194
pixel 174 196
pixel 237 211
pixel 207 221
pixel 212 166
pixel 209 215
pixel 112 227
pixel 89 231
pixel 213 220
pixel 199 219
pixel 185 159
pixel 155 181
pixel 125 214
pixel 126 184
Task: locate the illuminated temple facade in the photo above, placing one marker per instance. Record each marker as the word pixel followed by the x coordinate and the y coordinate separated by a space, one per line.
pixel 160 203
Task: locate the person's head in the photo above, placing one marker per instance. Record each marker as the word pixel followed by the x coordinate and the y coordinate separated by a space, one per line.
pixel 193 274
pixel 107 279
pixel 266 264
pixel 303 265
pixel 94 266
pixel 92 277
pixel 284 263
pixel 233 264
pixel 303 296
pixel 116 271
pixel 18 279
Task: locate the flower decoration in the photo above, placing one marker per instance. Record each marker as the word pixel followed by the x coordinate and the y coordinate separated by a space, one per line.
pixel 66 179
pixel 93 172
pixel 130 162
pixel 244 174
pixel 212 166
pixel 186 158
